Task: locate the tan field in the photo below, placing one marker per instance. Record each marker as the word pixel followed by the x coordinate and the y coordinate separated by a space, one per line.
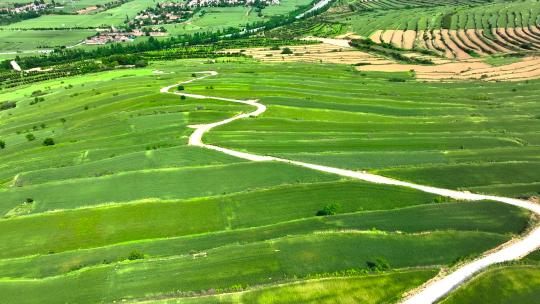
pixel 322 53
pixel 528 68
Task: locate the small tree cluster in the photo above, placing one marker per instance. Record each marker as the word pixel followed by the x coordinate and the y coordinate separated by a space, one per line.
pixel 330 209
pixel 286 50
pixel 48 142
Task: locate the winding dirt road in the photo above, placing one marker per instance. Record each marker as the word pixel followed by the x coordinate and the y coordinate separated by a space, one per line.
pixel 435 289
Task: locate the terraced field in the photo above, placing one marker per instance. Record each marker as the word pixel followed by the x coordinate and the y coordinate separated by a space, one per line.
pixel 381 125
pixel 454 29
pixel 121 208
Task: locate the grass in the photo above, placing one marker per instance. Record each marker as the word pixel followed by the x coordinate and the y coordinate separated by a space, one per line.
pixel 250 264
pixel 473 141
pixel 501 60
pixel 121 181
pixel 365 289
pixel 36 39
pixel 99 230
pixel 504 284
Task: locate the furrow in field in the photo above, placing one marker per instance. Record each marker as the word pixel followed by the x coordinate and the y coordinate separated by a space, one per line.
pixel 440 44
pixel 475 40
pixel 458 52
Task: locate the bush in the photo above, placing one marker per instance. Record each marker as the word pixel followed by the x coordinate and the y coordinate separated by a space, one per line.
pixel 180 88
pixel 2 144
pixel 286 51
pixel 331 209
pixel 7 105
pixel 275 48
pixel 182 97
pixel 135 255
pixel 380 264
pixel 48 142
pixel 30 137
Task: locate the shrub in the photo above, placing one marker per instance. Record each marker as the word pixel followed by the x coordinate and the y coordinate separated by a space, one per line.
pixel 48 142
pixel 180 88
pixel 135 255
pixel 380 264
pixel 439 199
pixel 2 144
pixel 286 51
pixel 30 137
pixel 331 209
pixel 182 97
pixel 7 105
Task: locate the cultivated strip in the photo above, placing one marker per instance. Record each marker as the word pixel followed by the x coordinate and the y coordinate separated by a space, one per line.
pixel 432 291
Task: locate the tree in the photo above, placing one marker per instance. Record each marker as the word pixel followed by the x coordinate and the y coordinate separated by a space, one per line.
pixel 286 50
pixel 330 209
pixel 30 137
pixel 2 144
pixel 48 142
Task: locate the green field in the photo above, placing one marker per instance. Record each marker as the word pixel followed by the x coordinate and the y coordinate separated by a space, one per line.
pixel 121 208
pixel 366 17
pixel 36 39
pixel 114 16
pixel 505 284
pixel 334 116
pixel 365 289
pixel 56 30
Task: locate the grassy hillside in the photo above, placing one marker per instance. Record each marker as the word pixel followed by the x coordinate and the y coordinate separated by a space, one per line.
pixel 453 135
pixel 505 284
pixel 121 208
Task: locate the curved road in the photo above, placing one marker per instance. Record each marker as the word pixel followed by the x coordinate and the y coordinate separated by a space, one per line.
pixel 432 291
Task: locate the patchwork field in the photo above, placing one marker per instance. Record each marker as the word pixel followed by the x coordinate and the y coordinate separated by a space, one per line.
pixel 454 29
pixel 67 28
pixel 113 210
pixel 386 123
pixel 292 151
